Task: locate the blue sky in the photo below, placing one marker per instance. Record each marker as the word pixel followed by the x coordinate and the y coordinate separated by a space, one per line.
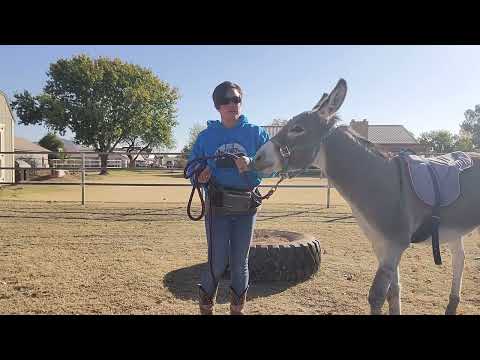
pixel 421 87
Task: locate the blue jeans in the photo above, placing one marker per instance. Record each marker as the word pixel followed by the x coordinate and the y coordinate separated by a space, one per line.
pixel 231 235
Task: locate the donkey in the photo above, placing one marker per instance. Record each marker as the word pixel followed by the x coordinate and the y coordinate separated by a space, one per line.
pixel 377 189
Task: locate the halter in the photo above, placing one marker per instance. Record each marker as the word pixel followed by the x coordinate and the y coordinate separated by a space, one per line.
pixel 286 151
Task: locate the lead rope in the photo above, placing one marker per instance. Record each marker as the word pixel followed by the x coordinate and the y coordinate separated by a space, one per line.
pixel 189 206
pixel 193 169
pixel 196 166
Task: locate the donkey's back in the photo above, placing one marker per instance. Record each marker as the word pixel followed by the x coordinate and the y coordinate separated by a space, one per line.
pixel 464 213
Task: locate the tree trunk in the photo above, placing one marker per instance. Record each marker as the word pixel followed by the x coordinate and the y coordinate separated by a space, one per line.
pixel 131 161
pixel 103 160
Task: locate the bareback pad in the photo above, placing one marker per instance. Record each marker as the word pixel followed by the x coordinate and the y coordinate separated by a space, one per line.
pixel 446 168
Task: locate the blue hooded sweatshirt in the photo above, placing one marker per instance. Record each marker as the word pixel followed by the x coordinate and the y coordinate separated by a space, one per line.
pixel 243 139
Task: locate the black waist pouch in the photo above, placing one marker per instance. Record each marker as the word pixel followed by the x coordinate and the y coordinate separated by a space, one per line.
pixel 226 201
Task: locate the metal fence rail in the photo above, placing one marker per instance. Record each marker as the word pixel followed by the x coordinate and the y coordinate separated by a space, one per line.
pixel 77 163
pixel 82 168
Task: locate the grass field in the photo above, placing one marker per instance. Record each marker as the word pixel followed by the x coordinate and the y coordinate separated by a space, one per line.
pixel 133 250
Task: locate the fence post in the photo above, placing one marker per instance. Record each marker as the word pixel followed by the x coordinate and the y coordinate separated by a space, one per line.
pixel 83 179
pixel 328 193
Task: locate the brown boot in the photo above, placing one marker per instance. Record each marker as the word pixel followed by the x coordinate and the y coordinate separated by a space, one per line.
pixel 237 303
pixel 206 302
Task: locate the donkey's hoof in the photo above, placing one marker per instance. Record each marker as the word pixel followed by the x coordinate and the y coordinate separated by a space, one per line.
pixel 394 311
pixel 451 309
pixel 376 311
pixel 452 306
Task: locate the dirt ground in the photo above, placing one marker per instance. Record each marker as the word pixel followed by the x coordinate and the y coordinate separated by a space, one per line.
pixel 134 251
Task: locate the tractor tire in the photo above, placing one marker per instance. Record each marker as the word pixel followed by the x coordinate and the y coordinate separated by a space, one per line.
pixel 283 256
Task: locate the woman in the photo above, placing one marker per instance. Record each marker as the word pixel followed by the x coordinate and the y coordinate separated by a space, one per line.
pixel 231 212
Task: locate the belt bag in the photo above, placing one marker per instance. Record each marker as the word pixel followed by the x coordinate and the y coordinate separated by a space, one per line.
pixel 232 202
pixel 236 201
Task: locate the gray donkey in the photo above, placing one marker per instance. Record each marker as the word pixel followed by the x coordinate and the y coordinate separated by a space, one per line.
pixel 378 191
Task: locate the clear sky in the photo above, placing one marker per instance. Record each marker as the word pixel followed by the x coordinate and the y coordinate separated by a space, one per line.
pixel 421 87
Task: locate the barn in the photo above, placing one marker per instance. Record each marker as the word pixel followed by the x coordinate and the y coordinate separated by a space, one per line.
pixel 7 127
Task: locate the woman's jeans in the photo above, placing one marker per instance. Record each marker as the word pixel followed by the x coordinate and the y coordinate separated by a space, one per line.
pixel 229 239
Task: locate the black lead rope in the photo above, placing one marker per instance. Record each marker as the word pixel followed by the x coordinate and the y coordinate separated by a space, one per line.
pixel 196 186
pixel 192 170
pixel 196 166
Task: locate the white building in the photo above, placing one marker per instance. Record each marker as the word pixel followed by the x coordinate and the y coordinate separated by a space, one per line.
pixel 7 126
pixel 35 160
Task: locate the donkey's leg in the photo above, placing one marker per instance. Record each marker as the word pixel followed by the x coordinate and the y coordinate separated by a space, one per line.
pixel 393 294
pixel 458 260
pixel 388 259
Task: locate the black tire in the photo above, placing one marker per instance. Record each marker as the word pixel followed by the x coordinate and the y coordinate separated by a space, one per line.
pixel 282 256
pixel 290 256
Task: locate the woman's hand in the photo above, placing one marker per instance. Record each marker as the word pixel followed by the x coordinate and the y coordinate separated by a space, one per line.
pixel 204 175
pixel 242 163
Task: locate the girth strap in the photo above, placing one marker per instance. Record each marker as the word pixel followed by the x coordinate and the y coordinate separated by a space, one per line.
pixel 435 217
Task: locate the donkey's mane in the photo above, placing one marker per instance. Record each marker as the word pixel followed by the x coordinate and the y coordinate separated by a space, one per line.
pixel 366 144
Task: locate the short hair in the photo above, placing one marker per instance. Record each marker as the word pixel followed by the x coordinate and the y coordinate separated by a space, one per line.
pixel 221 90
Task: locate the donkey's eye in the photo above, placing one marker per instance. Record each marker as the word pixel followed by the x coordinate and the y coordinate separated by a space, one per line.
pixel 297 129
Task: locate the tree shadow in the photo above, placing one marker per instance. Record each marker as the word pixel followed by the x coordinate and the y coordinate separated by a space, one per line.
pixel 321 216
pixel 171 174
pixel 183 282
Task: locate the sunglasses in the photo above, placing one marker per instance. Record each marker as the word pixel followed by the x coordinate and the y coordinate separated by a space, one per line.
pixel 227 100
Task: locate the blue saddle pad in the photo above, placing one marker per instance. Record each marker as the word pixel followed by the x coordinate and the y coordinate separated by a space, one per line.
pixel 447 169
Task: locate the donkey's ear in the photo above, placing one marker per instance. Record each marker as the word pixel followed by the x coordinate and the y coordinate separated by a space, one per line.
pixel 320 102
pixel 330 105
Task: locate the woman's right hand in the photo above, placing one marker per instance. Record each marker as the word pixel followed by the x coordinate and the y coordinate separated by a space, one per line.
pixel 204 175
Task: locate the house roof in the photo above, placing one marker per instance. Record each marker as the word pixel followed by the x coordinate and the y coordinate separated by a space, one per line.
pixel 21 144
pixel 70 146
pixel 389 134
pixel 8 104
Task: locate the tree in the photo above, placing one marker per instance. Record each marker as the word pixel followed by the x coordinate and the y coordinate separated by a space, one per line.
pixel 53 143
pixel 103 102
pixel 193 134
pixel 464 143
pixel 157 136
pixel 438 141
pixel 471 125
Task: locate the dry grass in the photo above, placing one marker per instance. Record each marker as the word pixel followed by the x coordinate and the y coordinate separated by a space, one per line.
pixel 144 256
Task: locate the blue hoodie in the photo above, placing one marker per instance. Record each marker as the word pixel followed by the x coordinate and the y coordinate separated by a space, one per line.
pixel 244 138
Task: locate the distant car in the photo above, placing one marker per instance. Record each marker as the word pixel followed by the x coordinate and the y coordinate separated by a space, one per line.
pixel 169 164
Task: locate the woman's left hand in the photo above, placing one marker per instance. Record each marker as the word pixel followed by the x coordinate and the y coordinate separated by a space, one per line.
pixel 242 163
